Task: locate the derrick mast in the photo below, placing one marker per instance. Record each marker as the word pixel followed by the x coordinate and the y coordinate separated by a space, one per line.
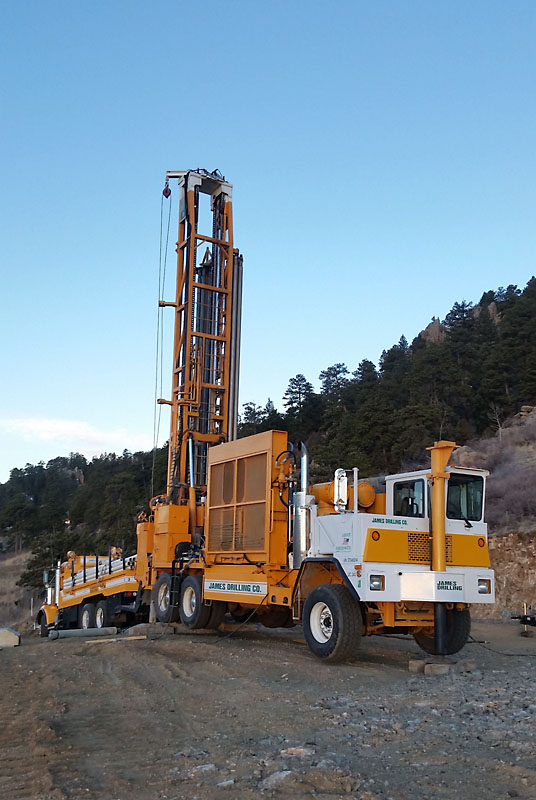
pixel 206 347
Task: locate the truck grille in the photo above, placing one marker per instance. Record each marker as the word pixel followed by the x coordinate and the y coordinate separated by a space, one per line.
pixel 419 548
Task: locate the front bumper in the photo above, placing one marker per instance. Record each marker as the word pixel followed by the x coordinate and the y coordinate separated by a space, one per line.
pixel 455 585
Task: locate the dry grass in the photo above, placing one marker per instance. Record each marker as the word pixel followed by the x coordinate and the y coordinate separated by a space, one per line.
pixel 510 511
pixel 511 459
pixel 14 600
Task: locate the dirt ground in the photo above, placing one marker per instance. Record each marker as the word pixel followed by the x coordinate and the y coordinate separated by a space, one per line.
pixel 210 716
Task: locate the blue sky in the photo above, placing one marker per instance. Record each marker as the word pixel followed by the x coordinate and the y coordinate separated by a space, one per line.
pixel 383 161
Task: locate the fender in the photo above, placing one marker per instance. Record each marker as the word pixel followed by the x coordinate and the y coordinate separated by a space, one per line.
pixel 335 563
pixel 50 612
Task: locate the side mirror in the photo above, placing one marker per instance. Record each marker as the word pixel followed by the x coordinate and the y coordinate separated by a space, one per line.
pixel 340 490
pixel 45 578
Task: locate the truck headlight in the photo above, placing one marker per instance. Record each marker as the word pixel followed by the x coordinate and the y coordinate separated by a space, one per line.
pixel 377 583
pixel 484 586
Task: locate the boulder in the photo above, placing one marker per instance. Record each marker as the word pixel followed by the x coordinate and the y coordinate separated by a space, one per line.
pixel 9 638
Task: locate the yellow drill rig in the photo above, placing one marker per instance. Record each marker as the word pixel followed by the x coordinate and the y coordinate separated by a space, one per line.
pixel 241 529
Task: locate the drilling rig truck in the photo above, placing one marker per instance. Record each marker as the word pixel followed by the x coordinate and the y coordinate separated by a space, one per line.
pixel 241 529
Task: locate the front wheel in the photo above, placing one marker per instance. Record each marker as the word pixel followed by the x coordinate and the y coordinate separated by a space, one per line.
pixel 458 630
pixel 332 623
pixel 193 612
pixel 43 627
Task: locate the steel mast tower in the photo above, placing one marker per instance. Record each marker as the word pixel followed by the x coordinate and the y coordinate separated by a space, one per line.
pixel 206 347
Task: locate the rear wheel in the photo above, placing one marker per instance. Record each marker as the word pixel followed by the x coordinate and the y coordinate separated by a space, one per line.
pixel 87 616
pixel 165 612
pixel 102 615
pixel 276 617
pixel 458 630
pixel 332 623
pixel 217 613
pixel 240 615
pixel 193 613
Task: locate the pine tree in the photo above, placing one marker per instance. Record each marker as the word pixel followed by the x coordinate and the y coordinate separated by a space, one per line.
pixel 298 390
pixel 333 380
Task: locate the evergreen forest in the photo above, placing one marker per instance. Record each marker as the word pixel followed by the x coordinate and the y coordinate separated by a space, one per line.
pixel 461 378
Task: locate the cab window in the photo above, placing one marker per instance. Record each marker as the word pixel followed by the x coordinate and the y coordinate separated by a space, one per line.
pixel 465 497
pixel 408 499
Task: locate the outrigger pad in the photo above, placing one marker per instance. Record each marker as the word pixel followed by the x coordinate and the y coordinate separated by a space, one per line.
pixel 9 637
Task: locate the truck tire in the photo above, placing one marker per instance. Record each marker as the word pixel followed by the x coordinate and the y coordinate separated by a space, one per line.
pixel 102 615
pixel 165 612
pixel 87 616
pixel 218 610
pixel 332 623
pixel 245 616
pixel 458 630
pixel 43 627
pixel 276 617
pixel 193 612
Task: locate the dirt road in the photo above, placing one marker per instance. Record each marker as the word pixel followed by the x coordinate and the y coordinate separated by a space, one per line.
pixel 201 716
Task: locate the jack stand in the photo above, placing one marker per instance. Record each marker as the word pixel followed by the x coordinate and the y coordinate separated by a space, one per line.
pixel 440 628
pixel 525 632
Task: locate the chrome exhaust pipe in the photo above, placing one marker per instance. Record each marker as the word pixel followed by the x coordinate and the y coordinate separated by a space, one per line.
pixel 301 512
pixel 57 584
pixel 304 467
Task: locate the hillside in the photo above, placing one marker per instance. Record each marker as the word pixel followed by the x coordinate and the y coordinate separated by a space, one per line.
pixel 459 379
pixel 464 378
pixel 15 601
pixel 510 455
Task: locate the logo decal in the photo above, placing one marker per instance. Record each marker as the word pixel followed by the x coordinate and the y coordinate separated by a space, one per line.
pixel 235 587
pixel 449 586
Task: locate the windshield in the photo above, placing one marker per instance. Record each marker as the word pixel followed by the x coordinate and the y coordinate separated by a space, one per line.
pixel 465 497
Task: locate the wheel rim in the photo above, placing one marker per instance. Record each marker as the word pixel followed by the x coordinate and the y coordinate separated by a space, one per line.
pixel 321 622
pixel 188 602
pixel 163 597
pixel 99 618
pixel 85 619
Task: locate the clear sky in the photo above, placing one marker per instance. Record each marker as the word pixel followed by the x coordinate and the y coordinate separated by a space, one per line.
pixel 384 166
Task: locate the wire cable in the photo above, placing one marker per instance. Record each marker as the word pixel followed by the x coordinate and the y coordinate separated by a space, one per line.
pixel 162 293
pixel 232 633
pixel 501 652
pixel 158 379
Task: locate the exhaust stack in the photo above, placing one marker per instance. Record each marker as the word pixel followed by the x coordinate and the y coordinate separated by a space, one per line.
pixel 441 453
pixel 301 512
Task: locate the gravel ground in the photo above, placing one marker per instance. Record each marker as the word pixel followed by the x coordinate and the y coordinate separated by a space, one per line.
pixel 205 717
